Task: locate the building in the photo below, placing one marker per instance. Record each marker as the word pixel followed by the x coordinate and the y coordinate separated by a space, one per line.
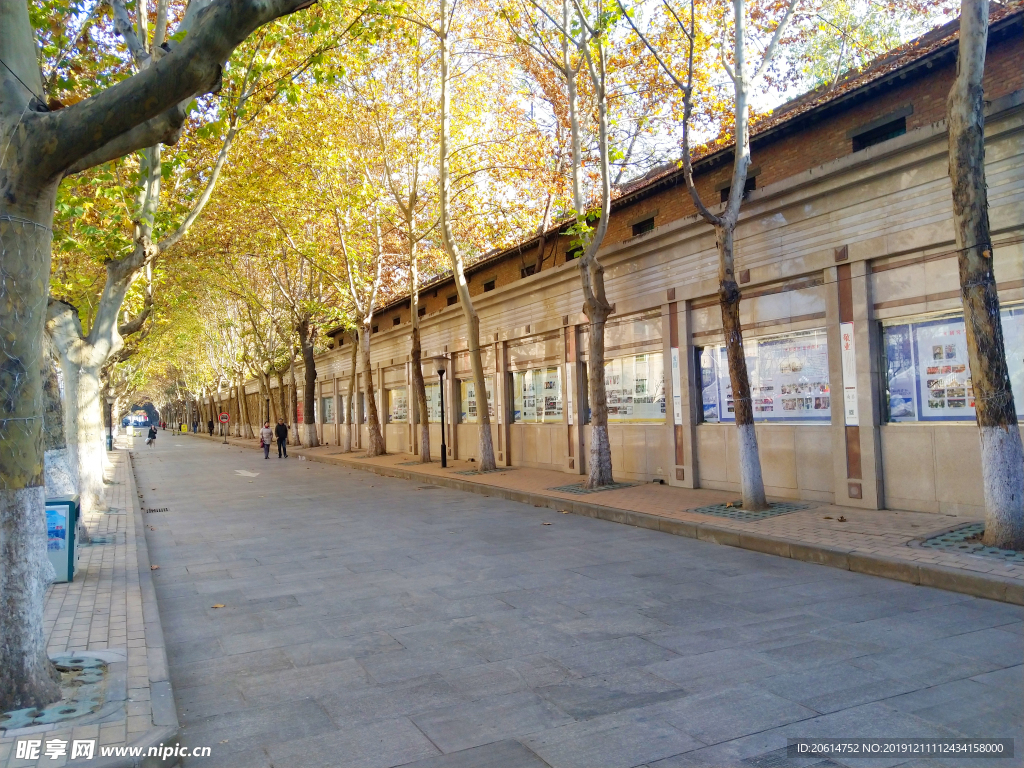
pixel 845 254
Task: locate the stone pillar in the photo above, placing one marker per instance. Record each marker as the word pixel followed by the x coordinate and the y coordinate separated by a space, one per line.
pixel 853 385
pixel 681 383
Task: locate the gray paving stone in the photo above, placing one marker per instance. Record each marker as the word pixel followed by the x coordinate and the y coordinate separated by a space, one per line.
pixel 492 719
pixel 374 745
pixel 614 741
pixel 358 630
pixel 722 715
pixel 500 754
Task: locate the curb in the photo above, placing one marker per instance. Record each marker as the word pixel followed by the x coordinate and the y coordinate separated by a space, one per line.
pixel 922 574
pixel 165 717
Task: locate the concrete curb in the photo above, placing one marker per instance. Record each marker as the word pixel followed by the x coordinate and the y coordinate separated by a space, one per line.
pixel 165 716
pixel 924 574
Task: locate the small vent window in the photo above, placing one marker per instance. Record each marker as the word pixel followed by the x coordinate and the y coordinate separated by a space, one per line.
pixel 882 133
pixel 453 298
pixel 421 311
pixel 527 271
pixel 749 186
pixel 396 321
pixel 489 286
pixel 643 226
pixel 375 328
pixel 573 253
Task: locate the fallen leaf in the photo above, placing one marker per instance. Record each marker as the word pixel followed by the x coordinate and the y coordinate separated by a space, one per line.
pixel 826 517
pixel 218 605
pixel 842 519
pixel 545 523
pixel 728 504
pixel 154 567
pixel 564 511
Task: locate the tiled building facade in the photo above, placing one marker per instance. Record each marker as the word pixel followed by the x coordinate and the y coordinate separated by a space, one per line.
pixel 845 244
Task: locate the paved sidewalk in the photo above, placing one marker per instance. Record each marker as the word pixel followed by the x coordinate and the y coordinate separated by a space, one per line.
pixel 323 617
pixel 868 541
pixel 111 606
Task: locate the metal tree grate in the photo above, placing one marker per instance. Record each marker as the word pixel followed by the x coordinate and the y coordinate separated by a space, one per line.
pixel 83 690
pixel 735 510
pixel 484 472
pixel 578 489
pixel 155 509
pixel 956 540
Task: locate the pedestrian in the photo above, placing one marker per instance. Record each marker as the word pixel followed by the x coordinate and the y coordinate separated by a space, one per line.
pixel 195 426
pixel 152 435
pixel 266 438
pixel 209 427
pixel 281 432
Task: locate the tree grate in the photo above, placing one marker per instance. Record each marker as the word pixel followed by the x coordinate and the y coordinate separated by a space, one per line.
pixel 115 511
pixel 95 541
pixel 957 541
pixel 780 758
pixel 483 472
pixel 577 489
pixel 155 509
pixel 83 691
pixel 735 511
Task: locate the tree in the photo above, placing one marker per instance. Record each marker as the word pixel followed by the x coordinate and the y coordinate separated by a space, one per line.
pixel 39 145
pixel 582 45
pixel 743 78
pixel 1002 456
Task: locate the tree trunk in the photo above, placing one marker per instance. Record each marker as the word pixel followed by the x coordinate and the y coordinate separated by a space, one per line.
pixel 351 435
pixel 309 438
pixel 487 462
pixel 751 483
pixel 27 678
pixel 375 441
pixel 244 418
pixel 60 478
pixel 1002 455
pixel 293 402
pixel 599 471
pixel 419 392
pixel 281 396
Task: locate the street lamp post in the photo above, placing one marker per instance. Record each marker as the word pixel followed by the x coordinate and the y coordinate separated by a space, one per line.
pixel 441 363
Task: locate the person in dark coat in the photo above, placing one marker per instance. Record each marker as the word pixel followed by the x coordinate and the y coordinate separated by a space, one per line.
pixel 281 433
pixel 152 435
pixel 209 427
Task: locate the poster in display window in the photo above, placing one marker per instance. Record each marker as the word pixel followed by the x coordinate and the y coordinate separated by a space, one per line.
pixel 635 388
pixel 928 373
pixel 537 396
pixel 788 379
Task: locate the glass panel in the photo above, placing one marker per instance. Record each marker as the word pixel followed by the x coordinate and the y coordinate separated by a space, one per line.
pixel 641 332
pixel 788 378
pixel 537 396
pixel 928 376
pixel 398 405
pixel 636 389
pixel 528 353
pixel 462 364
pixel 327 409
pixel 467 401
pixel 433 403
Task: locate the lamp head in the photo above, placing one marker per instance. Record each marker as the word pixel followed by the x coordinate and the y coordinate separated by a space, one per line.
pixel 441 364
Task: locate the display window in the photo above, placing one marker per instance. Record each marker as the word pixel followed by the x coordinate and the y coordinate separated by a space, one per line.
pixel 468 400
pixel 327 409
pixel 788 378
pixel 398 405
pixel 927 374
pixel 433 403
pixel 537 396
pixel 635 386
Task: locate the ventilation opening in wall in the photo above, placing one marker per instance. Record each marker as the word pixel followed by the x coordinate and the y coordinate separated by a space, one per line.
pixel 528 270
pixel 643 226
pixel 452 299
pixel 421 311
pixel 489 286
pixel 749 186
pixel 573 253
pixel 375 328
pixel 882 133
pixel 396 321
